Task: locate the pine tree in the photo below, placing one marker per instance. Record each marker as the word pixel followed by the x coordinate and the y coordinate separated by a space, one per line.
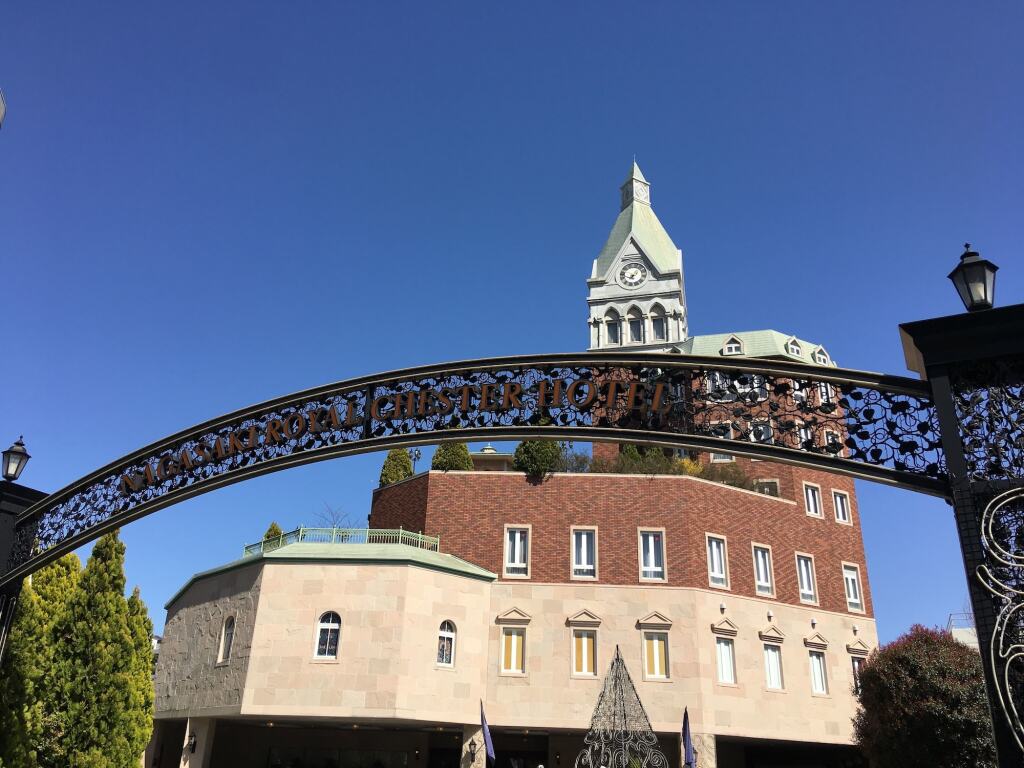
pixel 449 456
pixel 21 678
pixel 273 531
pixel 140 714
pixel 397 466
pixel 95 653
pixel 537 458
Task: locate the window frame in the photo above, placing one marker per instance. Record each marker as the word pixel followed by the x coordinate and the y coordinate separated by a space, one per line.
pixel 825 394
pixel 723 458
pixel 631 318
pixel 820 514
pixel 663 579
pixel 226 643
pixel 754 546
pixel 584 675
pixel 829 434
pixel 653 676
pixel 453 634
pixel 319 625
pixel 849 507
pixel 811 654
pixel 732 341
pixel 613 318
pixel 801 428
pixel 517 630
pixel 782 673
pixel 814 579
pixel 725 642
pixel 573 529
pixel 528 527
pixel 708 538
pixel 860 588
pixel 766 423
pixel 856 665
pixel 655 319
pixel 772 480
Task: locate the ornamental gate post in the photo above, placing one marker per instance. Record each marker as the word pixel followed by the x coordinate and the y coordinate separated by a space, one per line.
pixel 975 365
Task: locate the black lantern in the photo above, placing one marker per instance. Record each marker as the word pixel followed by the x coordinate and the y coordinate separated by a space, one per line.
pixel 15 459
pixel 472 750
pixel 975 280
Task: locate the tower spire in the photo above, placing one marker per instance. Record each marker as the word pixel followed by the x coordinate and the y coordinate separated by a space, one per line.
pixel 635 188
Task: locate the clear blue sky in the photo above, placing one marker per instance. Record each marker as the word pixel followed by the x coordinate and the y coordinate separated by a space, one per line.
pixel 206 205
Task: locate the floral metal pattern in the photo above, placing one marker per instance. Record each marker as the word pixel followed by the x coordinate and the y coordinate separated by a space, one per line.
pixel 845 421
pixel 989 399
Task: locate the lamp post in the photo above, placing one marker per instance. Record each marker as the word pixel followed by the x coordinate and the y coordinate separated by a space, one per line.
pixel 15 458
pixel 415 454
pixel 974 363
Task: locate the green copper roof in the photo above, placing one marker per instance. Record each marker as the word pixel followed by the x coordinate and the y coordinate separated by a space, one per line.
pixel 637 220
pixel 380 554
pixel 765 343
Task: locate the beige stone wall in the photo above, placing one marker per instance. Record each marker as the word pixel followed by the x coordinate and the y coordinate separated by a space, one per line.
pixel 549 697
pixel 188 677
pixel 386 667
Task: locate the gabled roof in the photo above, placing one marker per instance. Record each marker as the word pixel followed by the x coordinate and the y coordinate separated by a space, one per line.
pixel 654 621
pixel 639 222
pixel 858 648
pixel 764 343
pixel 772 634
pixel 513 616
pixel 816 641
pixel 725 627
pixel 584 619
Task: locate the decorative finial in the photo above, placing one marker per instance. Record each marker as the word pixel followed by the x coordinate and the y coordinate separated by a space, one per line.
pixel 967 247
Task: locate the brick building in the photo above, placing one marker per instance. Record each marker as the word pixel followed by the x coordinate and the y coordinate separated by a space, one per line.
pixel 376 649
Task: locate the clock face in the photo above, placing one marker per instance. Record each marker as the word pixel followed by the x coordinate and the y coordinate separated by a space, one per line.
pixel 632 275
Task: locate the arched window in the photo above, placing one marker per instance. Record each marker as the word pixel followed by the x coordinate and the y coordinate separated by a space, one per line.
pixel 227 637
pixel 612 329
pixel 659 325
pixel 636 326
pixel 446 644
pixel 328 632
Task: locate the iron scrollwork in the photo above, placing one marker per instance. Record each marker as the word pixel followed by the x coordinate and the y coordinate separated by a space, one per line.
pixel 989 400
pixel 860 424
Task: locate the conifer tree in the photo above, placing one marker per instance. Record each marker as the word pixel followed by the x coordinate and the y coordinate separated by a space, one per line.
pixel 537 458
pixel 449 456
pixel 397 466
pixel 273 531
pixel 95 655
pixel 21 678
pixel 140 713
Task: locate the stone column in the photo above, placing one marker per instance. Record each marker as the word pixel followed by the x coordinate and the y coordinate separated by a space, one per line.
pixel 704 746
pixel 474 734
pixel 203 729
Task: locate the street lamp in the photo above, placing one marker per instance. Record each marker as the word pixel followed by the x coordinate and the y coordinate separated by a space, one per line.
pixel 975 280
pixel 414 455
pixel 15 459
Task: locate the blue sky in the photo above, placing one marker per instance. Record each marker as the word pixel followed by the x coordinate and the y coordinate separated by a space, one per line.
pixel 206 205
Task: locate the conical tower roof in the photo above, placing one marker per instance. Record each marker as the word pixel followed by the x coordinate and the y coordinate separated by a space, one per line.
pixel 619 708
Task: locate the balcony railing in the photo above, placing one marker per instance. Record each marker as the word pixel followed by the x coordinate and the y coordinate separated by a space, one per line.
pixel 345 536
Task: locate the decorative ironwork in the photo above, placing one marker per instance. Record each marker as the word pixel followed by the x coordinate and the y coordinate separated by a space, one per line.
pixel 1002 534
pixel 860 424
pixel 989 400
pixel 620 734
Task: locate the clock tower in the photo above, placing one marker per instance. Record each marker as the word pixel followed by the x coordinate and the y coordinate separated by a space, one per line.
pixel 635 291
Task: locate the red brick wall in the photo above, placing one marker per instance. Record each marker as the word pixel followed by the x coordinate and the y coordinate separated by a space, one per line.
pixel 469 510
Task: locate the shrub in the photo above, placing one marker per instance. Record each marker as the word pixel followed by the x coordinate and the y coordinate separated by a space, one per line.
pixel 397 466
pixel 452 456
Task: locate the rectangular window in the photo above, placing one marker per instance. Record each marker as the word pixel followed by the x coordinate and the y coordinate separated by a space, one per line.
pixel 656 655
pixel 824 392
pixel 805 574
pixel 851 579
pixel 512 654
pixel 806 437
pixel 800 392
pixel 717 574
pixel 858 665
pixel 613 332
pixel 725 433
pixel 812 500
pixel 652 555
pixel 842 504
pixel 767 487
pixel 773 666
pixel 658 326
pixel 819 678
pixel 763 581
pixel 717 384
pixel 517 551
pixel 584 553
pixel 832 443
pixel 584 649
pixel 761 432
pixel 636 331
pixel 726 660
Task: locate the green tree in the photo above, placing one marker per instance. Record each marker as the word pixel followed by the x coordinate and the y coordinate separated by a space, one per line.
pixel 537 458
pixel 273 531
pixel 95 653
pixel 140 712
pixel 397 466
pixel 922 703
pixel 449 456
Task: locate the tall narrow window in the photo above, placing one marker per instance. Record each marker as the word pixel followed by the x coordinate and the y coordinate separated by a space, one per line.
pixel 851 579
pixel 328 632
pixel 513 656
pixel 517 551
pixel 636 327
pixel 824 392
pixel 611 321
pixel 584 553
pixel 717 574
pixel 227 637
pixel 812 500
pixel 832 443
pixel 656 654
pixel 658 328
pixel 800 392
pixel 446 644
pixel 723 431
pixel 805 574
pixel 858 665
pixel 773 666
pixel 584 650
pixel 726 660
pixel 805 436
pixel 763 581
pixel 819 677
pixel 842 504
pixel 652 555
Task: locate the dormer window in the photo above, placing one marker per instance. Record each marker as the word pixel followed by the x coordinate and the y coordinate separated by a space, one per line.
pixel 793 348
pixel 733 347
pixel 821 356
